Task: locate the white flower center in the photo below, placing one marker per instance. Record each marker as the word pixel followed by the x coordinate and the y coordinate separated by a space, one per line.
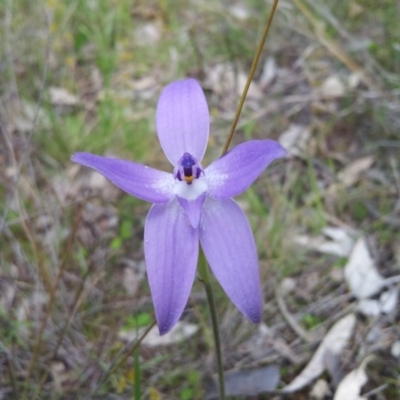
pixel 192 191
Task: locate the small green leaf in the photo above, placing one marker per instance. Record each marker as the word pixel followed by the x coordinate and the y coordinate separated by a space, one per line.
pixel 187 394
pixel 116 243
pixel 126 230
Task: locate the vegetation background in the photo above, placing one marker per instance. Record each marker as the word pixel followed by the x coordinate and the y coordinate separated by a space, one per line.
pixel 85 76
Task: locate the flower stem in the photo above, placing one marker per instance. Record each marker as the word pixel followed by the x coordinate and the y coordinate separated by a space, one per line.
pixel 250 77
pixel 205 278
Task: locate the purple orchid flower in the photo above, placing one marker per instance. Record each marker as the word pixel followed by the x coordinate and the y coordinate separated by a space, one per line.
pixel 193 204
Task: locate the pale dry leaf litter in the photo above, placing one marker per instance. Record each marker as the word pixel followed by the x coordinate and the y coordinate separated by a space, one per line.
pixel 269 73
pixel 386 303
pixel 360 272
pixel 364 281
pixel 8 290
pixel 333 87
pixel 59 374
pixel 350 175
pixel 20 116
pixel 395 349
pixel 239 11
pixel 148 33
pixel 296 140
pixel 62 97
pixel 228 83
pixel 334 342
pixel 320 390
pixel 30 308
pixel 350 387
pixel 353 172
pixel 77 183
pixel 335 241
pixel 132 275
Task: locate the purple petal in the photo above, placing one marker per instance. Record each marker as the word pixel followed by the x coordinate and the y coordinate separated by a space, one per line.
pixel 171 249
pixel 234 172
pixel 229 247
pixel 136 179
pixel 182 120
pixel 191 198
pixel 192 209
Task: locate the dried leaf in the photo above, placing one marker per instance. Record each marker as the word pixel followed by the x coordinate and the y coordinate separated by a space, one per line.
pixel 351 174
pixel 333 87
pixel 224 81
pixel 350 387
pixel 8 290
pixel 148 34
pixel 295 139
pixel 388 300
pixel 369 307
pixel 360 272
pixel 334 342
pixel 27 308
pixel 395 349
pixel 61 97
pixel 144 88
pixel 320 390
pixel 341 242
pixel 385 305
pixel 239 11
pixel 21 116
pixel 269 72
pixel 288 285
pixel 353 80
pixel 59 374
pixel 131 280
pixel 78 180
pixel 355 9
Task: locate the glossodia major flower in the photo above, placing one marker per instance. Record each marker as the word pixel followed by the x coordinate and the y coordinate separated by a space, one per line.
pixel 193 204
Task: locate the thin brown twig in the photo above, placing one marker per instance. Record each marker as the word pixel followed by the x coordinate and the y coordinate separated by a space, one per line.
pixel 290 319
pixel 121 357
pixel 65 328
pixel 335 50
pixel 9 54
pixel 366 58
pixel 10 367
pixel 33 127
pixel 43 273
pixel 250 77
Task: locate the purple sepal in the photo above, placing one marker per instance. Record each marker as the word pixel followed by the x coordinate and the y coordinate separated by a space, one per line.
pixel 228 244
pixel 136 179
pixel 182 120
pixel 171 249
pixel 234 172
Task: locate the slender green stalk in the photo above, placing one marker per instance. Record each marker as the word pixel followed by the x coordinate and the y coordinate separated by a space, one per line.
pixel 205 278
pixel 250 77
